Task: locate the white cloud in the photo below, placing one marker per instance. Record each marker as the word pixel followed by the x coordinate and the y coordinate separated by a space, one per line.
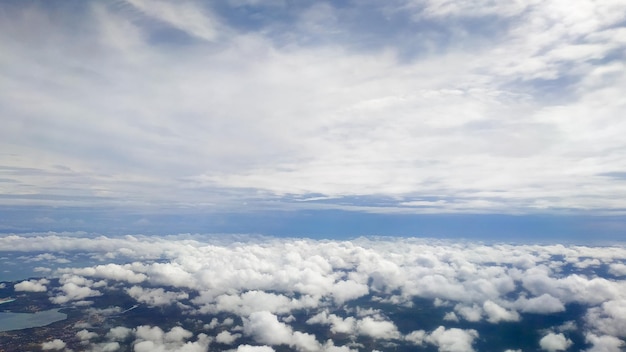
pixel 74 288
pixel 617 269
pixel 378 329
pixel 416 337
pixel 153 338
pixel 604 343
pixel 338 325
pixel 316 108
pixel 54 345
pixel 105 347
pixel 609 318
pixel 119 333
pixel 155 296
pixel 265 328
pixel 110 271
pixel 32 285
pixel 346 290
pixel 471 313
pixel 268 282
pixel 226 337
pixel 453 339
pixel 248 348
pixel 85 335
pixel 542 304
pixel 177 334
pixel 496 313
pixel 554 342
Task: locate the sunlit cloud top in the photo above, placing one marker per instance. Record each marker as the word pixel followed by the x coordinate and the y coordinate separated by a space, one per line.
pixel 409 106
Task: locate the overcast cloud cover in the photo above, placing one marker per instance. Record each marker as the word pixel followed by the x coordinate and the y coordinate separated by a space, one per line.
pixel 432 106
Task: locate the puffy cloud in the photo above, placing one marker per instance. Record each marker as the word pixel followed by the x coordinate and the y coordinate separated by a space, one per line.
pixel 153 338
pixel 346 290
pixel 110 271
pixel 470 313
pixel 555 342
pixel 249 348
pixel 250 301
pixel 155 296
pixel 105 347
pixel 338 325
pixel 119 333
pixel 609 318
pixel 177 334
pixel 496 313
pixel 54 345
pixel 378 329
pixel 74 288
pixel 269 282
pixel 32 285
pixel 452 340
pixel 226 337
pixel 85 335
pixel 544 304
pixel 416 337
pixel 265 328
pixel 617 269
pixel 604 343
pixel 573 288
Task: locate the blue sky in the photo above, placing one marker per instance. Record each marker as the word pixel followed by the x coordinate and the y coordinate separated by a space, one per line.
pixel 227 115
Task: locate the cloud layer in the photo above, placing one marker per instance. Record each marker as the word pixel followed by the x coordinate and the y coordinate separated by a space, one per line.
pixel 256 291
pixel 210 105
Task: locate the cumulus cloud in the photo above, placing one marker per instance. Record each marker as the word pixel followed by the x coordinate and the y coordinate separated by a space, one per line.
pixel 496 313
pixel 471 313
pixel 54 345
pixel 609 318
pixel 378 329
pixel 453 339
pixel 85 335
pixel 110 271
pixel 338 325
pixel 153 338
pixel 249 348
pixel 265 328
pixel 226 337
pixel 32 285
pixel 346 290
pixel 259 289
pixel 416 337
pixel 555 342
pixel 542 304
pixel 617 269
pixel 74 288
pixel 119 333
pixel 155 296
pixel 604 343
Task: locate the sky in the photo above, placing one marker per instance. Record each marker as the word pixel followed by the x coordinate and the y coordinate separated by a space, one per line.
pixel 314 117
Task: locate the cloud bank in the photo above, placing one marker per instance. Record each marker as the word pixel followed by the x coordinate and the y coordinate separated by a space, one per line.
pixel 337 295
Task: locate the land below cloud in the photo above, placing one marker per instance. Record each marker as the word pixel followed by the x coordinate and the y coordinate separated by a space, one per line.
pixel 246 293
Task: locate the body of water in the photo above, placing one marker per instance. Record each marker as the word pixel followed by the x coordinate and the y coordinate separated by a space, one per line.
pixel 18 321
